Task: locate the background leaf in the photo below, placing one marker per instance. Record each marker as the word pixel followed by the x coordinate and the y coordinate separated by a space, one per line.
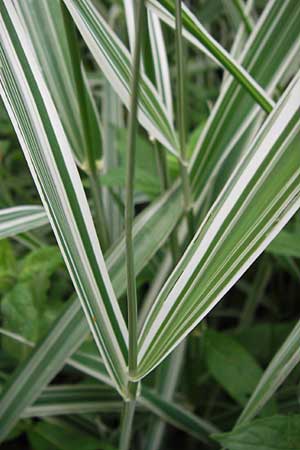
pixel 280 432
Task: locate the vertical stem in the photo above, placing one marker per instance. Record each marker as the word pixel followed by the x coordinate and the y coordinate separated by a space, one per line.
pixel 181 121
pixel 127 421
pixel 86 125
pixel 165 183
pixel 129 406
pixel 129 203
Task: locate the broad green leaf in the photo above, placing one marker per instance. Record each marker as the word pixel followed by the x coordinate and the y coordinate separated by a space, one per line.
pixel 8 260
pixel 115 62
pixel 283 362
pixel 235 118
pixel 196 33
pixel 61 438
pixel 20 219
pixel 8 265
pixel 43 260
pixel 145 182
pixel 231 365
pixel 50 159
pixel 275 432
pixel 285 244
pixel 270 336
pixel 248 214
pixel 19 315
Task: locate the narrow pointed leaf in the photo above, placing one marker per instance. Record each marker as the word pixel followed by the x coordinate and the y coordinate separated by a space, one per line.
pixel 248 214
pixel 19 219
pixel 234 118
pixel 160 62
pixel 116 64
pixel 53 55
pixel 166 11
pixel 49 157
pixel 67 334
pixel 68 399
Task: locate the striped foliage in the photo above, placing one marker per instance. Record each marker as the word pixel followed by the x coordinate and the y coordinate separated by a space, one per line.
pixel 19 219
pixel 115 62
pixel 47 151
pixel 248 214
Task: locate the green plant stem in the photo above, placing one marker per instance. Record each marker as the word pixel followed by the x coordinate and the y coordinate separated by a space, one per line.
pixel 182 121
pixel 165 184
pixel 129 406
pixel 86 125
pixel 129 201
pixel 244 16
pixel 127 420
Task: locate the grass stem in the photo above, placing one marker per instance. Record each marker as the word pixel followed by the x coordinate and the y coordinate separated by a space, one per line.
pixel 165 184
pixel 129 200
pixel 129 407
pixel 181 121
pixel 127 420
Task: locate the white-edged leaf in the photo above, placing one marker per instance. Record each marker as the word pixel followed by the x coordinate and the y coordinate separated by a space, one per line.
pixel 66 335
pixel 248 214
pixel 19 219
pixel 235 116
pixel 158 53
pixel 48 154
pixel 160 62
pixel 116 64
pixel 197 34
pixel 53 55
pixel 42 365
pixel 79 399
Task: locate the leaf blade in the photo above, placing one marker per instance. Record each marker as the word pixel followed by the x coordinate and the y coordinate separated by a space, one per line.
pixel 45 146
pixel 202 278
pixel 115 62
pixel 19 219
